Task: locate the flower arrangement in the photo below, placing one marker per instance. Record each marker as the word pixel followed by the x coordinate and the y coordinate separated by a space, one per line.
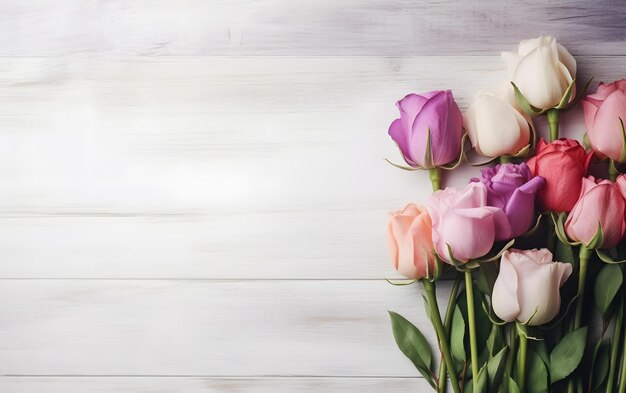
pixel 533 243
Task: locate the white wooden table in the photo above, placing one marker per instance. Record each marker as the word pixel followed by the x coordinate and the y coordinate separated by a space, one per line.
pixel 192 193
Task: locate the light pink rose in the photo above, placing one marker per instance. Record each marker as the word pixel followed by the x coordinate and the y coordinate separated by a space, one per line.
pixel 528 286
pixel 410 242
pixel 603 111
pixel 600 203
pixel 462 220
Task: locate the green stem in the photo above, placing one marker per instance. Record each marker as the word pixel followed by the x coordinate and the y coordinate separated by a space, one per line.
pixel 448 326
pixel 441 333
pixel 622 381
pixel 615 342
pixel 521 364
pixel 510 361
pixel 469 293
pixel 613 173
pixel 553 122
pixel 584 255
pixel 505 159
pixel 435 178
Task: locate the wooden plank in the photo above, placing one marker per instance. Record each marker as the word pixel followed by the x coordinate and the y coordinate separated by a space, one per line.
pixel 210 385
pixel 204 328
pixel 214 167
pixel 264 167
pixel 284 27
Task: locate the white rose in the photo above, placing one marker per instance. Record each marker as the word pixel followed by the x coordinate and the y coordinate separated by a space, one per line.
pixel 495 126
pixel 542 70
pixel 527 287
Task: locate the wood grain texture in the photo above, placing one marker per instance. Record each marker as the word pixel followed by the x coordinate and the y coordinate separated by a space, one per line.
pixel 263 167
pixel 192 193
pixel 205 328
pixel 286 27
pixel 210 385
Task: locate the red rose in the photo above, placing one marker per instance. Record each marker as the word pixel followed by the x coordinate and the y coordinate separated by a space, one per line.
pixel 563 163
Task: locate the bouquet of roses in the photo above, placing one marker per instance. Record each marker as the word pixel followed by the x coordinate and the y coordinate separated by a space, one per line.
pixel 506 327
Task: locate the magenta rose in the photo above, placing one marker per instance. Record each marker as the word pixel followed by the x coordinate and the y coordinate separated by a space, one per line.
pixel 512 188
pixel 435 112
pixel 604 111
pixel 463 221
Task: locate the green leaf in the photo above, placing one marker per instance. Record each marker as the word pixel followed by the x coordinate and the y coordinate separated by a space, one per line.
pixel 511 386
pixel 450 166
pixel 400 282
pixel 568 353
pixel 606 257
pixel 483 381
pixel 523 103
pixel 495 369
pixel 559 228
pixel 601 365
pixel 496 252
pixel 564 252
pixel 536 374
pixel 495 341
pixel 597 240
pixel 532 230
pixel 453 260
pixel 427 309
pixel 608 283
pixel 457 337
pixel 413 345
pixel 406 168
pixel 566 96
pixel 428 154
pixel 586 142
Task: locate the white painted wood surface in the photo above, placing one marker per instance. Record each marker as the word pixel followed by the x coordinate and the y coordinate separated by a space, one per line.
pixel 192 193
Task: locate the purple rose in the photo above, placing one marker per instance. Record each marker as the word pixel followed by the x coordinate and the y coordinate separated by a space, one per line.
pixel 512 188
pixel 436 112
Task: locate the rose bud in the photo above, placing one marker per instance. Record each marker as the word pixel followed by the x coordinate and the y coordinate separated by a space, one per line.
pixel 410 242
pixel 495 126
pixel 542 70
pixel 605 114
pixel 527 287
pixel 464 222
pixel 436 113
pixel 563 163
pixel 601 204
pixel 512 188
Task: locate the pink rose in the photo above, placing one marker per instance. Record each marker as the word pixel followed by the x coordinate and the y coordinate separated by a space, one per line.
pixel 462 221
pixel 600 203
pixel 410 242
pixel 603 111
pixel 528 286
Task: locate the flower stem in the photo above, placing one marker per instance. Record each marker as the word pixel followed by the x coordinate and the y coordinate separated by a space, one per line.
pixel 512 356
pixel 622 381
pixel 505 159
pixel 454 293
pixel 615 343
pixel 435 178
pixel 441 334
pixel 521 364
pixel 553 122
pixel 584 255
pixel 469 293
